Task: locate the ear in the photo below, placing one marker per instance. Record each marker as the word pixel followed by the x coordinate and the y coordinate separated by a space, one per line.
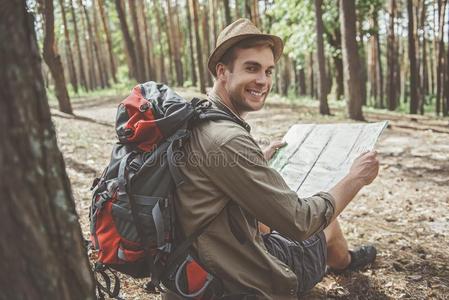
pixel 220 70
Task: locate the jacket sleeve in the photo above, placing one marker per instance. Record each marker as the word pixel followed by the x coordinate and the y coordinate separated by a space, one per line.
pixel 244 175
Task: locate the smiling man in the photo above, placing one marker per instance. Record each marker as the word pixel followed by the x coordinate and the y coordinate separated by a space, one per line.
pixel 231 197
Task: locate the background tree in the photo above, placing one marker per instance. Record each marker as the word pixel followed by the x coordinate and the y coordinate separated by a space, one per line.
pixel 42 249
pixel 322 93
pixel 351 63
pixel 53 59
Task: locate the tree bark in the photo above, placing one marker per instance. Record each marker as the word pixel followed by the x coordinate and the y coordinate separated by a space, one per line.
pixel 375 67
pixel 93 83
pixel 192 52
pixel 82 73
pixel 176 45
pixel 414 80
pixel 129 44
pixel 227 12
pixel 206 39
pixel 138 50
pixel 199 52
pixel 68 49
pixel 42 250
pixel 149 58
pixel 322 80
pixel 391 59
pixel 163 75
pixel 53 59
pixel 440 63
pixel 108 40
pixel 99 53
pixel 311 76
pixel 351 61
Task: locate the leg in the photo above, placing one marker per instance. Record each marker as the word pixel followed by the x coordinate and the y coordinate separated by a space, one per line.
pixel 338 256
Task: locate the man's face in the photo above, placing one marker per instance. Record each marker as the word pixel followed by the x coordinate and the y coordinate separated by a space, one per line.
pixel 250 80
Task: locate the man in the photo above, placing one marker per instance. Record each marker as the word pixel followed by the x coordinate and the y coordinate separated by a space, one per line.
pixel 229 186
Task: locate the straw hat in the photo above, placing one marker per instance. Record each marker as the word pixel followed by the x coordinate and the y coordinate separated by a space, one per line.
pixel 236 32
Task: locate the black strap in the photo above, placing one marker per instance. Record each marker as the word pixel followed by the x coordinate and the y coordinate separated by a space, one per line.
pixel 101 270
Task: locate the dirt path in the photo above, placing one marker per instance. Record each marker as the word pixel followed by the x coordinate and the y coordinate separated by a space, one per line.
pixel 405 212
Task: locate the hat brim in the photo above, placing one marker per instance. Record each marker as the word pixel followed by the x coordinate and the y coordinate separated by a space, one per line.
pixel 218 52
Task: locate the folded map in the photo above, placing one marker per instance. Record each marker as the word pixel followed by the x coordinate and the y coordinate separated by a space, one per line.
pixel 317 156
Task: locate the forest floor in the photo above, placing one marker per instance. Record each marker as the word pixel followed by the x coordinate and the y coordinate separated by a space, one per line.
pixel 404 212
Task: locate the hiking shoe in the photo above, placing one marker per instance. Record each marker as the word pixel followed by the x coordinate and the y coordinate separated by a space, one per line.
pixel 360 258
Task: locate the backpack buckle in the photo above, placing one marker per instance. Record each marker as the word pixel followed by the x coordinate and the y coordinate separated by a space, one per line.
pixel 134 165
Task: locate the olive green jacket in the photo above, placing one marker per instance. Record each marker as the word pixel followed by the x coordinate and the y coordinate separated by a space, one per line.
pixel 228 182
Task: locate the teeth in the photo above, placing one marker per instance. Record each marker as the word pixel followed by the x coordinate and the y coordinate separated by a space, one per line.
pixel 254 93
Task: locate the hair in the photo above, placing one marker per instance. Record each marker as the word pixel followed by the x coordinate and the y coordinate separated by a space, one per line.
pixel 229 57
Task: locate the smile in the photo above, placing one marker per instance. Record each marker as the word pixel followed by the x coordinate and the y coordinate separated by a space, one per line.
pixel 255 92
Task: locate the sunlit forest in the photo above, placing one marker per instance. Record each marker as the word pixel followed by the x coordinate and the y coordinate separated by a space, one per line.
pixel 401 47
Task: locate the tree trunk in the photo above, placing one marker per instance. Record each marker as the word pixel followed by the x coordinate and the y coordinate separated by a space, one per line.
pixel 414 80
pixel 99 53
pixel 68 49
pixel 302 82
pixel 440 62
pixel 351 61
pixel 138 50
pixel 424 65
pixel 53 59
pixel 148 43
pixel 322 93
pixel 163 75
pixel 176 46
pixel 391 59
pixel 311 76
pixel 129 44
pixel 93 83
pixel 104 22
pixel 227 12
pixel 199 52
pixel 192 52
pixel 206 40
pixel 446 86
pixel 42 250
pixel 83 79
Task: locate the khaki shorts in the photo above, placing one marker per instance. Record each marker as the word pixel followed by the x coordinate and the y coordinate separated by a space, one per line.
pixel 307 259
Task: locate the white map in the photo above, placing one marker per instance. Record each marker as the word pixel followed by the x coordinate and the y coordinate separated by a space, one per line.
pixel 317 156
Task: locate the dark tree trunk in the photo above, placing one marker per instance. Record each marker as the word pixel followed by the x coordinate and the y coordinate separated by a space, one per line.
pixel 151 74
pixel 91 70
pixel 129 44
pixel 99 53
pixel 205 26
pixel 108 40
pixel 42 251
pixel 138 50
pixel 163 75
pixel 53 59
pixel 424 65
pixel 176 46
pixel 68 49
pixel 302 82
pixel 199 52
pixel 351 61
pixel 446 86
pixel 375 67
pixel 83 79
pixel 227 12
pixel 440 62
pixel 192 52
pixel 391 59
pixel 311 76
pixel 322 90
pixel 414 80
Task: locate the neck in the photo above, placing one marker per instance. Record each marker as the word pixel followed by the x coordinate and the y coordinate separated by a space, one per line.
pixel 226 100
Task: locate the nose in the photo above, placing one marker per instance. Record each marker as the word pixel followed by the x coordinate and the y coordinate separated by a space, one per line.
pixel 262 78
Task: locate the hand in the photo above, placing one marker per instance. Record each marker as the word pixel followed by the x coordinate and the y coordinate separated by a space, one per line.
pixel 269 151
pixel 365 168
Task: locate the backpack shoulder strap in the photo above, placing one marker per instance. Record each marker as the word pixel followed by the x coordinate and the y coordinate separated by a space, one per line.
pixel 207 112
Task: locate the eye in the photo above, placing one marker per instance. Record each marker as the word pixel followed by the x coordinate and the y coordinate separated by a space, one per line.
pixel 251 69
pixel 269 72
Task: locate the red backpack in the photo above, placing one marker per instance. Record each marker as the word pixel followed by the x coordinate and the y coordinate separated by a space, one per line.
pixel 132 217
